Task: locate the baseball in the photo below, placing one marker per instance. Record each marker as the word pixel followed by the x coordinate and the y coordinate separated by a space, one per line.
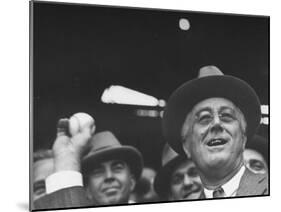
pixel 78 121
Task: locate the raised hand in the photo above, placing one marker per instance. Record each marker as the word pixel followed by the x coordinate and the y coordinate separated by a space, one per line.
pixel 68 149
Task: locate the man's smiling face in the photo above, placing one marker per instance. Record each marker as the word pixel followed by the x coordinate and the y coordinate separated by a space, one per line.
pixel 110 182
pixel 214 135
pixel 185 182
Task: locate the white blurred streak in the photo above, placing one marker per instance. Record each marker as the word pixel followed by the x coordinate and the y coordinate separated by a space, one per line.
pixel 265 120
pixel 264 109
pixel 117 94
pixel 147 113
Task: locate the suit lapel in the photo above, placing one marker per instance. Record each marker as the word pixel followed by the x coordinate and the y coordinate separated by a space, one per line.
pixel 202 195
pixel 252 184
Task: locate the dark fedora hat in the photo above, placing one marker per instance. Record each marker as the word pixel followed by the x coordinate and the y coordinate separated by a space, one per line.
pixel 105 146
pixel 211 82
pixel 170 160
pixel 259 144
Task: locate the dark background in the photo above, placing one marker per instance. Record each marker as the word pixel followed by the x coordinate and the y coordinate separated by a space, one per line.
pixel 79 50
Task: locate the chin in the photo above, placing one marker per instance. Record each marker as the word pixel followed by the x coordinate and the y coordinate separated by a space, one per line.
pixel 112 200
pixel 192 196
pixel 215 163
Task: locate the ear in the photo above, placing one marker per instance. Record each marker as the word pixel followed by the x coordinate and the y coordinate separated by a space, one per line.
pixel 185 134
pixel 186 145
pixel 133 183
pixel 185 148
pixel 244 141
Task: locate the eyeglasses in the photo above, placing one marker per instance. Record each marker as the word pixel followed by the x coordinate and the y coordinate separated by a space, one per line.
pixel 205 117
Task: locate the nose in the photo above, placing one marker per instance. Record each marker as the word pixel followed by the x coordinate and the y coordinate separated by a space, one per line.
pixel 187 180
pixel 108 173
pixel 216 124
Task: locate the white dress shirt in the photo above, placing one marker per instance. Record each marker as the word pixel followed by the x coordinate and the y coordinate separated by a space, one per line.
pixel 230 188
pixel 63 179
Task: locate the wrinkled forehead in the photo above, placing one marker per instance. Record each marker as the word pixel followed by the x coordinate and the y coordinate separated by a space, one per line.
pixel 214 104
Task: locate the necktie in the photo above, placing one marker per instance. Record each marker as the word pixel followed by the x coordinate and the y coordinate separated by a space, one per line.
pixel 218 193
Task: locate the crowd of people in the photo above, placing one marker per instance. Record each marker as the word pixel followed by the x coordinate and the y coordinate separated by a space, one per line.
pixel 211 151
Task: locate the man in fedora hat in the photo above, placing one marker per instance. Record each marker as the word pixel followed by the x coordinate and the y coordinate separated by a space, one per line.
pixel 178 178
pixel 210 119
pixel 256 154
pixel 109 169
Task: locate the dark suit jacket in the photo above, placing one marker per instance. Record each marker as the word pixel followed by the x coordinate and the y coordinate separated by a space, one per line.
pixel 250 185
pixel 71 197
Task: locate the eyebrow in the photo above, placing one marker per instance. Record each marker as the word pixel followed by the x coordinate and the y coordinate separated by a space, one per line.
pixel 202 110
pixel 227 108
pixel 118 162
pixel 209 109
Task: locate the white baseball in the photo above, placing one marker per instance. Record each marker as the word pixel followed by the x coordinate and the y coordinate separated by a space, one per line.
pixel 78 121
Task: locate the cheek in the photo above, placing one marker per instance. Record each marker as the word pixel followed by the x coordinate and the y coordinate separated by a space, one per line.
pixel 237 136
pixel 234 129
pixel 199 132
pixel 194 136
pixel 95 183
pixel 175 189
pixel 123 179
pixel 197 180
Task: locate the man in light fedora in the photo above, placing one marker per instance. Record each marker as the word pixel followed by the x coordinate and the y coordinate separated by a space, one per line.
pixel 178 178
pixel 210 119
pixel 109 169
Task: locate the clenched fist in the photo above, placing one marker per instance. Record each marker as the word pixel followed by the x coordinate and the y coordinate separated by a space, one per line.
pixel 67 148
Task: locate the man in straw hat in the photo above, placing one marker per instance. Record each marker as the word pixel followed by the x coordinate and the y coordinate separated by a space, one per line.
pixel 110 170
pixel 178 178
pixel 210 119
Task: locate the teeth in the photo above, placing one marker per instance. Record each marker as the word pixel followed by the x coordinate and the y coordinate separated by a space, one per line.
pixel 216 142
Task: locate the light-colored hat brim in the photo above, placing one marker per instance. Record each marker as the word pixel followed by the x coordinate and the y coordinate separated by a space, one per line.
pixel 126 153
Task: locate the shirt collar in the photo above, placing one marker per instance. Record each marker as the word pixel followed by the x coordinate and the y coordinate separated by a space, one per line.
pixel 230 188
pixel 131 201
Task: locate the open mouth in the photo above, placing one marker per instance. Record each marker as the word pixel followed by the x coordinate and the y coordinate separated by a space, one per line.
pixel 110 190
pixel 216 142
pixel 187 195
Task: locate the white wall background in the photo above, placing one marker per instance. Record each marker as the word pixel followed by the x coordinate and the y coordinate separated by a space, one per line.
pixel 14 82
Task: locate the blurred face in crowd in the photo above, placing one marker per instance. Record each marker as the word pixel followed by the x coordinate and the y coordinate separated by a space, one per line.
pixel 144 190
pixel 214 135
pixel 110 182
pixel 255 161
pixel 149 175
pixel 185 182
pixel 41 170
